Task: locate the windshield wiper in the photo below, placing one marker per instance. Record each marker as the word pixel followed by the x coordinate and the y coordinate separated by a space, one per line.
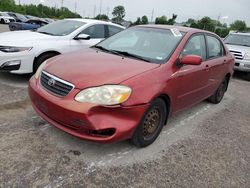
pixel 46 33
pixel 101 48
pixel 124 53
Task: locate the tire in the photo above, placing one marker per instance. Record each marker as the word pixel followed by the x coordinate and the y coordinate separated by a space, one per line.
pixel 151 124
pixel 41 59
pixel 2 21
pixel 219 93
pixel 248 76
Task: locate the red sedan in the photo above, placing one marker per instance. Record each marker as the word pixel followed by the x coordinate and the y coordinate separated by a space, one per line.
pixel 128 85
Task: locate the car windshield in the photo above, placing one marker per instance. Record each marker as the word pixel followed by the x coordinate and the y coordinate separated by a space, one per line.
pixel 238 39
pixel 60 28
pixel 149 44
pixel 4 14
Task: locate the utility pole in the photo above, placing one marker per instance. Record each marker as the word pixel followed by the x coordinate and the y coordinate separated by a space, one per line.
pixel 100 7
pixel 62 3
pixel 75 6
pixel 152 16
pixel 108 9
pixel 94 11
pixel 19 2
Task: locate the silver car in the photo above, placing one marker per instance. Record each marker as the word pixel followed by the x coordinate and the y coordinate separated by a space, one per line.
pixel 239 46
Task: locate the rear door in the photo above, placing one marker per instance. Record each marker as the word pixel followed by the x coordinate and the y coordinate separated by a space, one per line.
pixel 216 62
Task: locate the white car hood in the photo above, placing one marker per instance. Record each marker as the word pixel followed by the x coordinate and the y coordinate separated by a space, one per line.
pixel 242 49
pixel 24 38
pixel 6 17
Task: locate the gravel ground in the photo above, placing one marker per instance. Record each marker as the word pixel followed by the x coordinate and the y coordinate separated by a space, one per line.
pixel 205 146
pixel 3 28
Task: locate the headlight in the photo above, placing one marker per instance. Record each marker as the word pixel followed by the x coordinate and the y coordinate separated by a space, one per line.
pixel 11 49
pixel 247 56
pixel 39 70
pixel 104 95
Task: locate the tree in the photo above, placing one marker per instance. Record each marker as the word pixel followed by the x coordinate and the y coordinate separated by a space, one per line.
pixel 239 25
pixel 206 23
pixel 144 20
pixel 102 17
pixel 171 21
pixel 118 13
pixel 161 20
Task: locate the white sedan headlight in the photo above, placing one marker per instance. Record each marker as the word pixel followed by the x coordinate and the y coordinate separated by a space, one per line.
pixel 12 49
pixel 104 95
pixel 247 56
pixel 39 70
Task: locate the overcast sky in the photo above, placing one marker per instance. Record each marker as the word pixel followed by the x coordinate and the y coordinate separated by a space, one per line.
pixel 226 10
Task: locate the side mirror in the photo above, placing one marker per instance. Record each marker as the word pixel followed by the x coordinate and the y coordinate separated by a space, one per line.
pixel 82 37
pixel 191 60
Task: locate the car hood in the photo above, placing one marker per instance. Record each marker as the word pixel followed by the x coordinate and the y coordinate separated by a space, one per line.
pixel 23 38
pixel 243 49
pixel 89 68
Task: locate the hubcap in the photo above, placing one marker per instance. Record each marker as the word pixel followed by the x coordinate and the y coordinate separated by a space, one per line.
pixel 151 123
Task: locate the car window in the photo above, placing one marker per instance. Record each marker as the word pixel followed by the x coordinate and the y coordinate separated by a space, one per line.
pixel 95 31
pixel 215 49
pixel 195 46
pixel 113 30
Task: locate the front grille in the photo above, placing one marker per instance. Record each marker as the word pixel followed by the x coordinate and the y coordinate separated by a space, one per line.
pixel 55 85
pixel 237 54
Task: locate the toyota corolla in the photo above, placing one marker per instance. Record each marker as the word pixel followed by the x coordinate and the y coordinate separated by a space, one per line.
pixel 128 85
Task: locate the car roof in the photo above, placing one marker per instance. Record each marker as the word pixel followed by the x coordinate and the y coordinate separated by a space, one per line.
pixel 180 28
pixel 240 33
pixel 90 21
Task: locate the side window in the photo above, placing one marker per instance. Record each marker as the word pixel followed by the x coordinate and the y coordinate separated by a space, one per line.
pixel 95 31
pixel 113 30
pixel 195 46
pixel 215 48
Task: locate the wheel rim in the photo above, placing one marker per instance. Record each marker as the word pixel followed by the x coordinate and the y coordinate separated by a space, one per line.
pixel 222 90
pixel 151 124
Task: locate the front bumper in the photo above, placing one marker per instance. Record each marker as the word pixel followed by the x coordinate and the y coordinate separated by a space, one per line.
pixel 9 62
pixel 242 65
pixel 84 120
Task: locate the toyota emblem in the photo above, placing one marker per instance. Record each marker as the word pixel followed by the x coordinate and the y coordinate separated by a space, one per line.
pixel 51 82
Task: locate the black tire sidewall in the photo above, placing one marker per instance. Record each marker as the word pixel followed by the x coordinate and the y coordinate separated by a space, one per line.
pixel 40 60
pixel 138 138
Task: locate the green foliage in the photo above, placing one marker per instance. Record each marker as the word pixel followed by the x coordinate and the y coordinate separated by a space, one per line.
pixel 206 23
pixel 222 32
pixel 163 20
pixel 102 17
pixel 239 25
pixel 141 21
pixel 118 13
pixel 37 10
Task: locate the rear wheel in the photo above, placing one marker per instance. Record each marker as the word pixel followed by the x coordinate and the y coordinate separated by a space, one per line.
pixel 41 59
pixel 219 93
pixel 151 124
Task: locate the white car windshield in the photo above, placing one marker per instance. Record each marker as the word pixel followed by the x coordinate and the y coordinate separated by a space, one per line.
pixel 61 28
pixel 148 44
pixel 238 39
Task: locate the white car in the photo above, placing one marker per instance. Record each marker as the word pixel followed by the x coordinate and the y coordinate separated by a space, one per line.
pixel 22 52
pixel 5 18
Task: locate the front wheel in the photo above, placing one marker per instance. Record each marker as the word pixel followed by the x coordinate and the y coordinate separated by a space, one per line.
pixel 219 93
pixel 151 124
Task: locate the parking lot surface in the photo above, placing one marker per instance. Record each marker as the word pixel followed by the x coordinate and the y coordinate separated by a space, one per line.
pixel 205 146
pixel 4 28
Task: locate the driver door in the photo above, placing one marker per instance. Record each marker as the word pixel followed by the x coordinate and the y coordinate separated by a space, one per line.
pixel 96 32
